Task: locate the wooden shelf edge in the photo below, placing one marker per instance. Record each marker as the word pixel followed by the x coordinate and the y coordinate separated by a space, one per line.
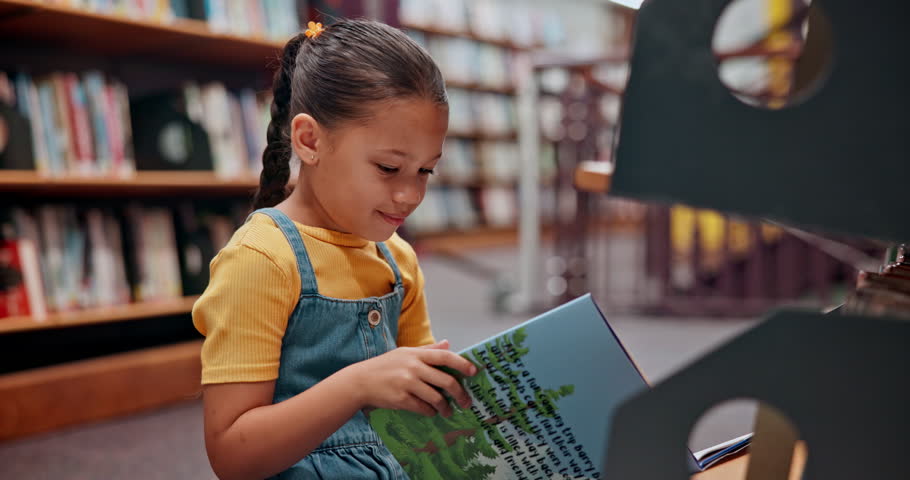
pixel 480 87
pixel 118 36
pixel 119 313
pixel 45 399
pixel 466 34
pixel 142 182
pixel 480 136
pixel 186 26
pixel 450 240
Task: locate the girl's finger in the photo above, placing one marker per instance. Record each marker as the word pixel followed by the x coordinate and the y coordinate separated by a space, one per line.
pixel 443 358
pixel 440 345
pixel 450 384
pixel 430 401
pixel 433 398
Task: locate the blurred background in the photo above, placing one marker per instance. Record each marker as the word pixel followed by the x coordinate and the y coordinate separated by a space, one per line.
pixel 130 145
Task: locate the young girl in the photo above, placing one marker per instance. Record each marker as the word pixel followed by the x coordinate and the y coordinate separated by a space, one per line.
pixel 315 310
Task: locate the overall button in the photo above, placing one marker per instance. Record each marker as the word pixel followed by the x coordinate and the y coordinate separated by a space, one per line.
pixel 374 317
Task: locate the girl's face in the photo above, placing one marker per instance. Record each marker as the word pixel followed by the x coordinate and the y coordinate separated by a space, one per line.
pixel 367 177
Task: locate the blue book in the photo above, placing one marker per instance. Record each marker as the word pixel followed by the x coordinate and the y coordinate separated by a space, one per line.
pixel 94 91
pixel 542 405
pixel 48 107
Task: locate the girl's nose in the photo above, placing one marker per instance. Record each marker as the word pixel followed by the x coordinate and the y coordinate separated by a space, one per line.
pixel 408 194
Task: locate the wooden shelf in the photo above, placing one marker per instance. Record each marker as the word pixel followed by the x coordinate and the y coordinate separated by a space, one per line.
pixel 145 183
pixel 118 313
pixel 468 35
pixel 477 182
pixel 480 87
pixel 450 240
pixel 27 21
pixel 49 398
pixel 480 136
pixel 481 237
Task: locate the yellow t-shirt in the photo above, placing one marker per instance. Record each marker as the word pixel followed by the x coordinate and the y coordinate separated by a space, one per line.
pixel 254 286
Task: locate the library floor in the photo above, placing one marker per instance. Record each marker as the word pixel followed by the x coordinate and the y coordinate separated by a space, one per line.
pixel 167 443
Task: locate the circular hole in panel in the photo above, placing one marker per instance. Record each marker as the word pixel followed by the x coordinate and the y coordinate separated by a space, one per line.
pixel 773 53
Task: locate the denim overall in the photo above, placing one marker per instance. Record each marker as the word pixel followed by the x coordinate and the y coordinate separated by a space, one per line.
pixel 323 336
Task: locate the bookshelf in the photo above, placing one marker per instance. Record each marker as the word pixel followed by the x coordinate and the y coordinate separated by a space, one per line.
pixel 485 87
pixel 113 360
pixel 480 87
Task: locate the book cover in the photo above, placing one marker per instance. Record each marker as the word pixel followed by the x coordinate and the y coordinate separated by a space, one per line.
pixel 21 291
pixel 542 404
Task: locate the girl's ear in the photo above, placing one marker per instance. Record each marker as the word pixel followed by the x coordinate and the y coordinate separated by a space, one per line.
pixel 305 133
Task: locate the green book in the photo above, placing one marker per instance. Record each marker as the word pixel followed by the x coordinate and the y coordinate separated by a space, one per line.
pixel 542 405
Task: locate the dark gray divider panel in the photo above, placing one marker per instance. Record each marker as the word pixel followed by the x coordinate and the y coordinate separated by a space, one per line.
pixel 841 380
pixel 839 161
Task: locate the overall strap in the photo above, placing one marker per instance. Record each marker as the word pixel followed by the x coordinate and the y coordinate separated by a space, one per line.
pixel 307 277
pixel 389 258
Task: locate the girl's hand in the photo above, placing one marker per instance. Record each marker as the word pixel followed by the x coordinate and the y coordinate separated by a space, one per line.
pixel 407 379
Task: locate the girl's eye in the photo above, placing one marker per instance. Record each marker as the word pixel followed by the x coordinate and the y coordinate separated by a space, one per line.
pixel 427 171
pixel 386 169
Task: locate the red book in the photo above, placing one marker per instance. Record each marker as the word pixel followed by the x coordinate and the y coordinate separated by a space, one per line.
pixel 79 122
pixel 21 290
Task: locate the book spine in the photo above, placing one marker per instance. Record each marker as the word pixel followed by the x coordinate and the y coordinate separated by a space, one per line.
pixel 31 271
pixel 29 103
pixel 62 124
pixel 13 298
pixel 114 129
pixel 81 129
pixel 122 102
pixel 94 87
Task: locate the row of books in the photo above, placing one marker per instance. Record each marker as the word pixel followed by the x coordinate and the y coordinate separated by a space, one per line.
pixel 61 258
pixel 79 123
pixel 469 61
pixel 466 161
pixel 273 19
pixel 236 123
pixel 883 293
pixel 82 124
pixel 522 25
pixel 478 112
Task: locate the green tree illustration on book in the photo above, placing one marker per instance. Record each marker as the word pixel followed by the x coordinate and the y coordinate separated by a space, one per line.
pixel 431 448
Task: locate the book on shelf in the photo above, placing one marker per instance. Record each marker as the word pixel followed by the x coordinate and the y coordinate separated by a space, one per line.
pixel 80 124
pixel 236 123
pixel 499 161
pixel 93 255
pixel 883 293
pixel 15 139
pixel 459 164
pixel 543 400
pixel 513 22
pixel 430 216
pixel 499 206
pixel 21 291
pixel 273 19
pixel 460 209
